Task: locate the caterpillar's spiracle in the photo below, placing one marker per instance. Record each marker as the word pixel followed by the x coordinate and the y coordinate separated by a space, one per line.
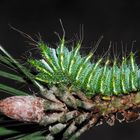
pixel 67 67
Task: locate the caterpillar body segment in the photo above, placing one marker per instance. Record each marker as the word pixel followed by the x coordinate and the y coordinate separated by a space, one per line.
pixel 43 68
pixel 48 55
pixel 61 54
pixel 69 68
pixel 83 65
pixel 91 73
pixel 73 57
pixel 134 71
pixel 123 76
pixel 103 81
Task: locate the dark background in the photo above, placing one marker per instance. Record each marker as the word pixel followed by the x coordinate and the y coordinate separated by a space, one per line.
pixel 115 19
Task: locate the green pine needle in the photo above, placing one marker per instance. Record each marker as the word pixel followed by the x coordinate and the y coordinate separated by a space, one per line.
pixel 24 70
pixel 11 76
pixel 34 136
pixel 6 60
pixel 11 90
pixel 5 131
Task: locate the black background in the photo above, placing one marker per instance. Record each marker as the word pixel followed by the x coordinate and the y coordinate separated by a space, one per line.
pixel 115 19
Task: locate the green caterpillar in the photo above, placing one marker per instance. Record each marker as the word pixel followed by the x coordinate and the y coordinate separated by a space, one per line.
pixel 62 66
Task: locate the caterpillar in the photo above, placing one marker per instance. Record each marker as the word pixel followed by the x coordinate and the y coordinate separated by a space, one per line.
pixel 62 66
pixel 65 106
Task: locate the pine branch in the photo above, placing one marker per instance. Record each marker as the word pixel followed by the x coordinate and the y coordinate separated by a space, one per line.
pixel 72 115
